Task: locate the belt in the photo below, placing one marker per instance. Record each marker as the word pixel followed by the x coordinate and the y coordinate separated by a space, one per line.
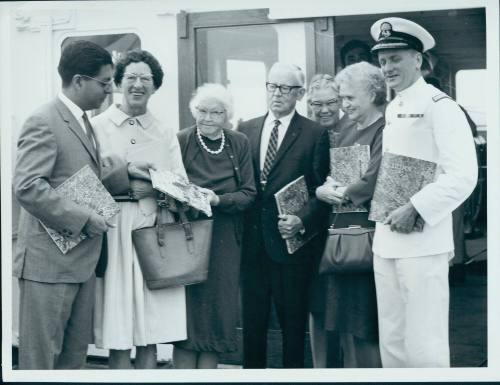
pixel 124 198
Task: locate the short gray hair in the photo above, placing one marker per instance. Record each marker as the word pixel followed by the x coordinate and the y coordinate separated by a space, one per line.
pixel 212 91
pixel 367 75
pixel 288 67
pixel 320 82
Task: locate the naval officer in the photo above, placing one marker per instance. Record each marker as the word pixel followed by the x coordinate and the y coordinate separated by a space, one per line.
pixel 411 261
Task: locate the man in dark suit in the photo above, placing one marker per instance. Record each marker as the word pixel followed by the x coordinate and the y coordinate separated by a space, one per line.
pixel 285 146
pixel 56 141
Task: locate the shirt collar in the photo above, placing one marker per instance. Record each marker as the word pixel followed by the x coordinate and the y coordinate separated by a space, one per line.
pixel 72 107
pixel 118 117
pixel 284 120
pixel 414 89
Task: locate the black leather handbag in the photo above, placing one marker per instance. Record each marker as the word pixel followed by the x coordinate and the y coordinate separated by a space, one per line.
pixel 174 254
pixel 347 250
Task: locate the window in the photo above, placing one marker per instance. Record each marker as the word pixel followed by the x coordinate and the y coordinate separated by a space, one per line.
pixel 470 86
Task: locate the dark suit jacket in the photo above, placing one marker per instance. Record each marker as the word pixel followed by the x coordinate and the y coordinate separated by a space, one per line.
pixel 304 151
pixel 52 146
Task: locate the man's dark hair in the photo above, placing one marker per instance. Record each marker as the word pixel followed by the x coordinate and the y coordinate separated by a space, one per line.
pixel 351 44
pixel 82 57
pixel 137 56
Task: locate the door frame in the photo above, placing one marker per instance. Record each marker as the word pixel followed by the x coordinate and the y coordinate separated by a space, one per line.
pixel 323 59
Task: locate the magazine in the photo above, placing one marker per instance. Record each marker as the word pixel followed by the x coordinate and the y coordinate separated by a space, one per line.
pixel 180 188
pixel 347 165
pixel 399 178
pixel 290 199
pixel 85 189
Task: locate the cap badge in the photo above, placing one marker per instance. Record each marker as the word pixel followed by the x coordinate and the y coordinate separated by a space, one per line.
pixel 385 30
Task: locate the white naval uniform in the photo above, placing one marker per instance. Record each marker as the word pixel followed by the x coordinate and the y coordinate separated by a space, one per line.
pixel 411 270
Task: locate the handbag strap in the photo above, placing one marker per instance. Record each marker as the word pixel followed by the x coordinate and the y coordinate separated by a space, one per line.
pixel 163 205
pixel 337 213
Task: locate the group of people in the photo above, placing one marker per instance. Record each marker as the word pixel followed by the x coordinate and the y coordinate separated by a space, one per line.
pixel 396 316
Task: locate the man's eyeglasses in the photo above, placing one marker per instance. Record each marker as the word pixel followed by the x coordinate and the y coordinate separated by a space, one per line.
pixel 103 84
pixel 132 78
pixel 333 103
pixel 216 114
pixel 271 87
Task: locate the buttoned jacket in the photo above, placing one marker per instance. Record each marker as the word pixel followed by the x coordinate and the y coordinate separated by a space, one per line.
pixel 424 123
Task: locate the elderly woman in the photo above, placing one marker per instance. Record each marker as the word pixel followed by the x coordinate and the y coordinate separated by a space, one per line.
pixel 351 307
pixel 323 100
pixel 127 313
pixel 219 160
pixel 324 106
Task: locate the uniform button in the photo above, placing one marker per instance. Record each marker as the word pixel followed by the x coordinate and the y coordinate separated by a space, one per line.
pixel 132 141
pixel 131 122
pixel 236 168
pixel 388 123
pixel 231 156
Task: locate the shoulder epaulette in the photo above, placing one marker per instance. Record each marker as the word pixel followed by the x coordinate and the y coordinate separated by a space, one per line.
pixel 440 96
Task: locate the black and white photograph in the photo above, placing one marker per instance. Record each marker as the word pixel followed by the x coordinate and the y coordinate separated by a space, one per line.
pixel 391 275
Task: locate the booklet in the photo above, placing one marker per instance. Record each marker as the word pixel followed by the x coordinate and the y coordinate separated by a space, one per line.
pixel 290 199
pixel 180 188
pixel 347 165
pixel 399 178
pixel 85 189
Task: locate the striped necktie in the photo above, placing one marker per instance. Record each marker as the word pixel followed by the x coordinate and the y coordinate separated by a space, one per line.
pixel 272 149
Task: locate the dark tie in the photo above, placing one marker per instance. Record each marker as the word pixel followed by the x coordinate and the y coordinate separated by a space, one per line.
pixel 89 131
pixel 102 262
pixel 272 149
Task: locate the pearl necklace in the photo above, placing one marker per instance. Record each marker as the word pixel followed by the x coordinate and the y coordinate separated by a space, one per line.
pixel 218 151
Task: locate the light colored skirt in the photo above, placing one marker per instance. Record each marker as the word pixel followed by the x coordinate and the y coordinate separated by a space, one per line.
pixel 126 312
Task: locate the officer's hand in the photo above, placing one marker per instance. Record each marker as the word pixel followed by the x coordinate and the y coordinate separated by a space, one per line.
pixel 289 225
pixel 140 170
pixel 419 224
pixel 402 220
pixel 139 188
pixel 96 225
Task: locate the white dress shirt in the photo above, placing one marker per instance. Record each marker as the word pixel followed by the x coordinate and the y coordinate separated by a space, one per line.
pixel 423 123
pixel 266 133
pixel 74 109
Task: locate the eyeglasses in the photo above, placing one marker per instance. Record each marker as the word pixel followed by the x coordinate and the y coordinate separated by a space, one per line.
pixel 103 83
pixel 329 104
pixel 132 78
pixel 216 114
pixel 271 87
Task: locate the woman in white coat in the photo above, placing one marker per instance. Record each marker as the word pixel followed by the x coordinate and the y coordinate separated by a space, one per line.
pixel 127 313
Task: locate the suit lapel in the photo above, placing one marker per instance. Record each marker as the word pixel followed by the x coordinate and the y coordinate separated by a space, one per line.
pixel 74 126
pixel 255 141
pixel 292 133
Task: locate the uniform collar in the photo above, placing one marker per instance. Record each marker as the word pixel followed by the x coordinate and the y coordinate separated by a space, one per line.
pixel 118 117
pixel 414 89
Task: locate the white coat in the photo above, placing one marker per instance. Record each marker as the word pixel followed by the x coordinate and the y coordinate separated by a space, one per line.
pixel 423 122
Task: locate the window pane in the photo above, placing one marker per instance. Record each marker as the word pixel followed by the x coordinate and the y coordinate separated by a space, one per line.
pixel 240 57
pixel 470 94
pixel 116 45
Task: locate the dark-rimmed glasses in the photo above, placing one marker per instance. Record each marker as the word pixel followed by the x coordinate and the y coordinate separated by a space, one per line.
pixel 271 87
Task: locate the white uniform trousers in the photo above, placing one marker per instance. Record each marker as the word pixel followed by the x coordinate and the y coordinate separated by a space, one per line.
pixel 413 303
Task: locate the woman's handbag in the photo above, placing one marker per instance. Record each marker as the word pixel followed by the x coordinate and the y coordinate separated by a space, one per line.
pixel 347 250
pixel 174 254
